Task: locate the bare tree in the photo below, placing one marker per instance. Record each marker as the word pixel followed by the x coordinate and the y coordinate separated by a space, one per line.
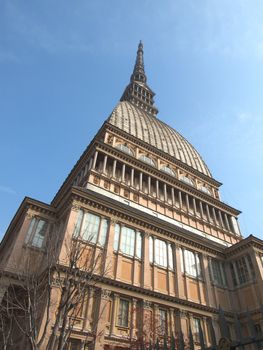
pixel 29 305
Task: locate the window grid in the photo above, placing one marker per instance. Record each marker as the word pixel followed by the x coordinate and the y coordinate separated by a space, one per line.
pixel 123 314
pixel 36 233
pixel 242 270
pixel 163 321
pixel 217 272
pixel 91 228
pixel 128 241
pixel 160 252
pixel 192 265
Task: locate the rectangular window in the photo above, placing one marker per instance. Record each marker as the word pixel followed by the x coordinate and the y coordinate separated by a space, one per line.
pixel 160 252
pixel 123 314
pixel 36 233
pixel 196 326
pixel 163 321
pixel 217 272
pixel 242 270
pixel 91 228
pixel 192 265
pixel 128 241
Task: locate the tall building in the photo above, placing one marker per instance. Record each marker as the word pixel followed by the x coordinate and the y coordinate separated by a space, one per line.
pixel 170 252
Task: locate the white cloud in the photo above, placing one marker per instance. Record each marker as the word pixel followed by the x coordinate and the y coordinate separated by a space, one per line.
pixel 7 190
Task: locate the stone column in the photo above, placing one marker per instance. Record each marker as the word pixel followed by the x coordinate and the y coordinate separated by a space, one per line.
pixel 141 175
pixel 208 285
pixel 89 310
pixel 133 319
pixel 113 314
pixel 165 192
pixel 227 223
pixel 201 210
pixel 146 320
pixel 208 214
pixel 180 200
pixel 105 164
pixel 173 198
pixel 194 204
pixel 114 168
pixel 149 184
pixel 146 262
pixel 221 219
pixel 132 177
pixel 95 160
pixel 187 203
pixel 235 225
pixel 109 268
pixel 101 319
pixel 179 274
pixel 123 173
pixel 157 188
pixel 214 216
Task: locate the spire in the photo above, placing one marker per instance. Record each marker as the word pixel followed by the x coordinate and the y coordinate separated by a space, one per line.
pixel 138 71
pixel 138 92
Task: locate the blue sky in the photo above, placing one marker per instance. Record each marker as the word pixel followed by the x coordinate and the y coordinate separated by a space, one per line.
pixel 64 65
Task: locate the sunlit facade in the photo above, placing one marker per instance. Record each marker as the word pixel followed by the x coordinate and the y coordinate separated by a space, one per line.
pixel 143 199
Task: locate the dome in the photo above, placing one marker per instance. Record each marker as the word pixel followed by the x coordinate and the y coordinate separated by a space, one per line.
pixel 133 120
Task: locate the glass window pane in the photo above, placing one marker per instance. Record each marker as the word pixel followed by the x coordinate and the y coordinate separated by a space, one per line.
pixel 171 260
pixel 78 224
pixel 123 314
pixel 160 252
pixel 39 235
pixel 151 249
pixel 139 245
pixel 30 230
pixel 190 267
pixel 127 241
pixel 90 227
pixel 103 232
pixel 116 237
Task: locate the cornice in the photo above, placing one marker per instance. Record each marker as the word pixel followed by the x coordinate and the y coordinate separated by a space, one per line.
pixel 165 177
pixel 118 210
pixel 162 154
pixel 245 243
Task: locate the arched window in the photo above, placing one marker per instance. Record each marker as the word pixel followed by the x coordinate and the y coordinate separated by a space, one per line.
pixel 187 180
pixel 168 170
pixel 147 160
pixel 125 149
pixel 205 190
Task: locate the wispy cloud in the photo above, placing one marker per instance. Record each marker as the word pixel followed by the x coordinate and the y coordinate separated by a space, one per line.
pixel 6 56
pixel 8 190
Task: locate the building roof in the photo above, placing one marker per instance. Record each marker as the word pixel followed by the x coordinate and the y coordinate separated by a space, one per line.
pixel 135 121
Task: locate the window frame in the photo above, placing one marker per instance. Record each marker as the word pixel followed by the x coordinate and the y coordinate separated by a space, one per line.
pixel 79 227
pixel 118 241
pixel 124 149
pixel 147 160
pixel 167 170
pixel 125 313
pixel 32 232
pixel 196 266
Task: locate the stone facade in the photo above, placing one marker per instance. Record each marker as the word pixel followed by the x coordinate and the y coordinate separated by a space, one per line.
pixel 168 251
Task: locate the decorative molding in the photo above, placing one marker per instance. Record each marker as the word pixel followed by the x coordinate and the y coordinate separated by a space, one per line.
pixel 105 294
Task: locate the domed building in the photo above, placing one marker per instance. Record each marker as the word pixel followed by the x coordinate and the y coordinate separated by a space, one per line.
pixel 164 253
